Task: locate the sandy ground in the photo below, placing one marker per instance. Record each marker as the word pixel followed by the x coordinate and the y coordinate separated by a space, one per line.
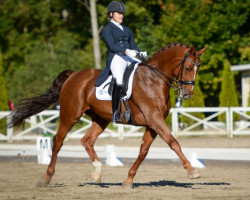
pixel 154 180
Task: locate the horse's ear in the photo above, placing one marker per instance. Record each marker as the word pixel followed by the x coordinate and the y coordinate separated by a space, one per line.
pixel 202 51
pixel 192 50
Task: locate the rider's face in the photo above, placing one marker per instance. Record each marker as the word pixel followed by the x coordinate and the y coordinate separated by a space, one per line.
pixel 118 17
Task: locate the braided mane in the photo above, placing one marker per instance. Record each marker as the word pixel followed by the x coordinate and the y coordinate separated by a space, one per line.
pixel 167 47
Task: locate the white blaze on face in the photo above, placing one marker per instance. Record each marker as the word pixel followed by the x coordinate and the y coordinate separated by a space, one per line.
pixel 195 70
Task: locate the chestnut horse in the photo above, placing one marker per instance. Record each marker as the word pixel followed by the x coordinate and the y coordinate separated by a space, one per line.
pixel 149 104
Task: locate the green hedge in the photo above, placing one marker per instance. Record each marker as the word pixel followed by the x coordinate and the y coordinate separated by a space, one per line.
pixel 3 96
pixel 228 95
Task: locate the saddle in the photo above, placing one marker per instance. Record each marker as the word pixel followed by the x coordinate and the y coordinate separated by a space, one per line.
pixel 126 76
pixel 104 91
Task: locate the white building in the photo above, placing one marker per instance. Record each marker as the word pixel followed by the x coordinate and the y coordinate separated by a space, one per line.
pixel 245 81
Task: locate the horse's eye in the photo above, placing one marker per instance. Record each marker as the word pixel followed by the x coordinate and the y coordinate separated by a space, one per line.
pixel 188 69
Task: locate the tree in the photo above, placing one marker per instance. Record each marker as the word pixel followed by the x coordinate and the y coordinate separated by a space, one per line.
pixel 95 33
pixel 45 60
pixel 3 91
pixel 223 26
pixel 3 96
pixel 228 96
pixel 91 7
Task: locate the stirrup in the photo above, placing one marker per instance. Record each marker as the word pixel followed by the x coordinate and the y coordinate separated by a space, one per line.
pixel 116 117
pixel 127 113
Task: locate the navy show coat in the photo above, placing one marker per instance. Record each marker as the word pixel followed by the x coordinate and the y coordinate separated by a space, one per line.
pixel 117 41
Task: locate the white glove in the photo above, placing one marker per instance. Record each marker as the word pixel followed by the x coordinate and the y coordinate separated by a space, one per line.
pixel 144 54
pixel 131 53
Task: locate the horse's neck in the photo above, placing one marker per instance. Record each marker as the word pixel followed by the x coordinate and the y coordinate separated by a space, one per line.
pixel 165 62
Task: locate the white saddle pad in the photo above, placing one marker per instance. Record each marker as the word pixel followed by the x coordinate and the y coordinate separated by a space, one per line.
pixel 102 93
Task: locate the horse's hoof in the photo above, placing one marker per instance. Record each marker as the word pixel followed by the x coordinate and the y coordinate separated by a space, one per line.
pixel 97 180
pixel 127 186
pixel 194 174
pixel 97 173
pixel 43 181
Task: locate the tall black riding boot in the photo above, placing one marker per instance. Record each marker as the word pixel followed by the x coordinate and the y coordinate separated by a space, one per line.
pixel 116 99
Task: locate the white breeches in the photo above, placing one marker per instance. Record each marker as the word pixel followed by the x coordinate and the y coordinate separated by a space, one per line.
pixel 118 66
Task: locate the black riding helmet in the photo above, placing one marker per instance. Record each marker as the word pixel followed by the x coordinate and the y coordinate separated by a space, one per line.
pixel 116 6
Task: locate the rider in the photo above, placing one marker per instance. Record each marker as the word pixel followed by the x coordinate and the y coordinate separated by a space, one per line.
pixel 122 51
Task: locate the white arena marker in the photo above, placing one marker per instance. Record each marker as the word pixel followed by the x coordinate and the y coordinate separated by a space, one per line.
pixel 44 147
pixel 195 162
pixel 112 160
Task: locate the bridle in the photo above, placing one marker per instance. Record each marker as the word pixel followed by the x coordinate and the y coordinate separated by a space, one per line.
pixel 182 68
pixel 178 81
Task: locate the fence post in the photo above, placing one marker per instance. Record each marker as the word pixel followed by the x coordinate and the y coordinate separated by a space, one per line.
pixel 174 122
pixel 230 121
pixel 121 131
pixel 33 121
pixel 9 132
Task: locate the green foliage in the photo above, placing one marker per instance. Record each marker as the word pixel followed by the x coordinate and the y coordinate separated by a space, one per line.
pixel 3 91
pixel 41 43
pixel 44 61
pixel 223 26
pixel 3 96
pixel 228 96
pixel 38 40
pixel 48 135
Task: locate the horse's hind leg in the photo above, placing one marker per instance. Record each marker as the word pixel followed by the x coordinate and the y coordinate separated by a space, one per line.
pixel 88 141
pixel 147 140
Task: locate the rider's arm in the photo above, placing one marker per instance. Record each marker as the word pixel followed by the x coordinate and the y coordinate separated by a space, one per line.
pixel 132 42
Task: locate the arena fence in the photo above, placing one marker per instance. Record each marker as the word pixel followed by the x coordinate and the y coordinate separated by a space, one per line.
pixel 236 122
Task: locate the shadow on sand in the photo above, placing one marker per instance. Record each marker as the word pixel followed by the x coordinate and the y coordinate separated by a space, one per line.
pixel 161 183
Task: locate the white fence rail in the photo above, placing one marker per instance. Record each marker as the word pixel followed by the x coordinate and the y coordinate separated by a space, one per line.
pixel 46 122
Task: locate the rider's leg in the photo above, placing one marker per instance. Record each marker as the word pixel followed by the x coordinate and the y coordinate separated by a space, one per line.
pixel 116 99
pixel 117 67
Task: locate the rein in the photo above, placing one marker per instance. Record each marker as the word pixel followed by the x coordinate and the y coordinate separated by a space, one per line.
pixel 157 72
pixel 180 82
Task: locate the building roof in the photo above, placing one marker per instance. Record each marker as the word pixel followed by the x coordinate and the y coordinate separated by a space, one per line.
pixel 245 67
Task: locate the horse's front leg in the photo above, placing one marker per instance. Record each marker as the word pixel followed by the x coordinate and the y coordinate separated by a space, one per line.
pixel 88 141
pixel 147 140
pixel 158 124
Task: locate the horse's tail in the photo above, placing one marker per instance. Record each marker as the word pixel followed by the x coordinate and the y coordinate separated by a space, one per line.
pixel 31 106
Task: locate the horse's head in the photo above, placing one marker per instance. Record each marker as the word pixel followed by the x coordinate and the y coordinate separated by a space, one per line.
pixel 187 70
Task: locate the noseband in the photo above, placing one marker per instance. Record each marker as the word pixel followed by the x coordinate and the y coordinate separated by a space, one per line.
pixel 178 81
